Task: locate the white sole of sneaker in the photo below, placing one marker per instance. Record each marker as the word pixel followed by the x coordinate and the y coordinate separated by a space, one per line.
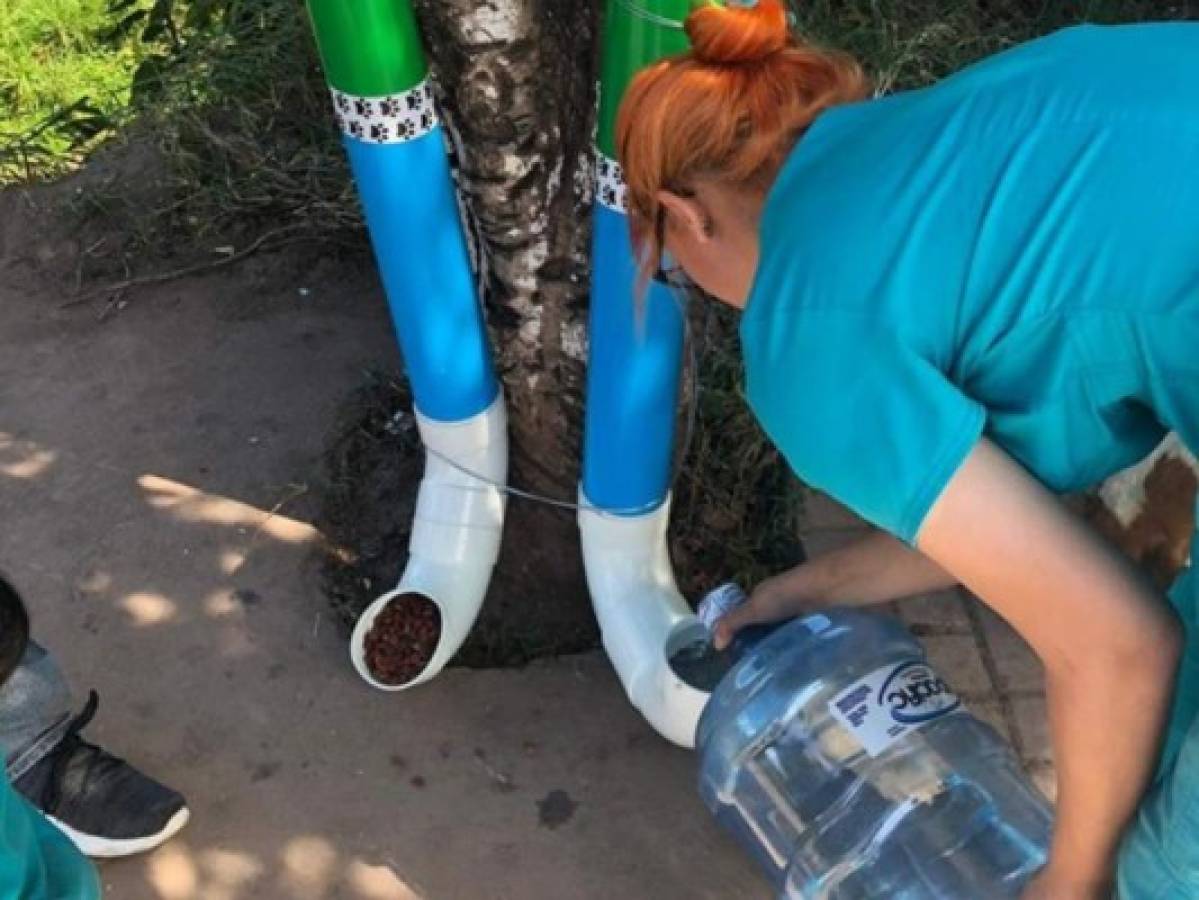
pixel 110 848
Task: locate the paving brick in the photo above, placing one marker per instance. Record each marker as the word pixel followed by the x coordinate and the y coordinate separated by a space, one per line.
pixel 1044 776
pixel 957 660
pixel 940 613
pixel 1017 667
pixel 1032 725
pixel 821 513
pixel 991 712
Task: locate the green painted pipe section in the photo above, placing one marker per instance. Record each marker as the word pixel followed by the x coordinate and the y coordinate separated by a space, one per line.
pixel 636 33
pixel 369 47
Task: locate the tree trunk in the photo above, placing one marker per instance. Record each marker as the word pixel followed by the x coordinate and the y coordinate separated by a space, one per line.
pixel 516 87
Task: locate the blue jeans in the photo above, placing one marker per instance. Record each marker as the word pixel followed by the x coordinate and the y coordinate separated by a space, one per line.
pixel 35 708
pixel 1160 856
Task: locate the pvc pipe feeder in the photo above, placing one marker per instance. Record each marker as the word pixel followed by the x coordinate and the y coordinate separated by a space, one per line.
pixel 383 101
pixel 643 618
pixel 632 394
pixel 456 534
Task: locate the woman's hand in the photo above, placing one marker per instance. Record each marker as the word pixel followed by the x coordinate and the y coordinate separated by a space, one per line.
pixel 874 569
pixel 778 597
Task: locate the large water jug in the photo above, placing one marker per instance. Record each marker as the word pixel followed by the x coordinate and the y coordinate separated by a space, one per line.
pixel 850 770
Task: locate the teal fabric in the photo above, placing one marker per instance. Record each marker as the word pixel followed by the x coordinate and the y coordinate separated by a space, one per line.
pixel 1159 859
pixel 36 861
pixel 1014 251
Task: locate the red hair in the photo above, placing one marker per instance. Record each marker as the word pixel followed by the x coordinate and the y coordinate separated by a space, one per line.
pixel 731 108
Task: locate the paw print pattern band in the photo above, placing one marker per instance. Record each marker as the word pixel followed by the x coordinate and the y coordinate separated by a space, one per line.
pixel 609 183
pixel 390 119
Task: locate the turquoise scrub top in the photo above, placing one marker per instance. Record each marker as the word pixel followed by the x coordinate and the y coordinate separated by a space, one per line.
pixel 1011 252
pixel 36 861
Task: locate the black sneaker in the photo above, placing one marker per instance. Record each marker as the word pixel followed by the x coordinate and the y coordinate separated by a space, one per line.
pixel 103 804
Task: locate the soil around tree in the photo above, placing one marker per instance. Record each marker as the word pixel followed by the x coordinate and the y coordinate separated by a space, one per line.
pixel 537 604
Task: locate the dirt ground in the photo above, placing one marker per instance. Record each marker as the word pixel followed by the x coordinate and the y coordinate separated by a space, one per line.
pixel 162 462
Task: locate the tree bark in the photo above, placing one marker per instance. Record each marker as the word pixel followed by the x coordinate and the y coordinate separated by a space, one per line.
pixel 515 81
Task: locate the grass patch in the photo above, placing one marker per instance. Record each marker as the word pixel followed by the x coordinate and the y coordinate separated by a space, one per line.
pixel 62 86
pixel 228 92
pixel 910 43
pixel 239 108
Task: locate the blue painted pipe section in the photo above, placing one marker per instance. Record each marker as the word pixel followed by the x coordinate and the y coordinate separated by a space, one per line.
pixel 412 215
pixel 632 378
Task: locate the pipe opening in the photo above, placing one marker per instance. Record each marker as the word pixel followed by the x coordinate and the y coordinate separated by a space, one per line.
pixel 402 639
pixel 694 660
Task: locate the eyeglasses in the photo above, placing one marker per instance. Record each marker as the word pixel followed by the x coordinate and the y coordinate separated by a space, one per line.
pixel 673 275
pixel 682 288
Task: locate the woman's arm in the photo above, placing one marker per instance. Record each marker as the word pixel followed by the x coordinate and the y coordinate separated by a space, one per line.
pixel 874 569
pixel 1109 644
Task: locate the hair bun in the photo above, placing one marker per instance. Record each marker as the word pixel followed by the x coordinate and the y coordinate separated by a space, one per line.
pixel 729 34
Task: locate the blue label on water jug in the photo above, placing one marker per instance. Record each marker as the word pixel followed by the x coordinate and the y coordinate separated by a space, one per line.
pixel 892 701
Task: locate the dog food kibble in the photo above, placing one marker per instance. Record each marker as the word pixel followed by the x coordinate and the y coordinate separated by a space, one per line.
pixel 403 639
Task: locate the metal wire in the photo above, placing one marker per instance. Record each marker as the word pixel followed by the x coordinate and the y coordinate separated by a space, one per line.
pixel 642 13
pixel 681 299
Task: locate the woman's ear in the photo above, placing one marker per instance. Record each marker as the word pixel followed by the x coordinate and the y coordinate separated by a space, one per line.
pixel 687 214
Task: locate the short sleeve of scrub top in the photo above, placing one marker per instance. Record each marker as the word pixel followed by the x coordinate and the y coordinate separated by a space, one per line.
pixel 861 396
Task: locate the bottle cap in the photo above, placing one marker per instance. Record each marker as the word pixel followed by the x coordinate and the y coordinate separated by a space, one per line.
pixel 719 602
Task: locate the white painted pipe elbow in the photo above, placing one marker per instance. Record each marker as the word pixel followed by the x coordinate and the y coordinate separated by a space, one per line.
pixel 456 533
pixel 643 618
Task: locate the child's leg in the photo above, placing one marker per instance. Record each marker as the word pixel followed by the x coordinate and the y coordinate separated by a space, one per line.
pixel 35 707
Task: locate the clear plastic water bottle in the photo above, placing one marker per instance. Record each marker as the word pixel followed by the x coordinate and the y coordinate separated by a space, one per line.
pixel 849 769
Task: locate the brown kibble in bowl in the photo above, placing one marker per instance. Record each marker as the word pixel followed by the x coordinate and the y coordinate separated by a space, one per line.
pixel 402 639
